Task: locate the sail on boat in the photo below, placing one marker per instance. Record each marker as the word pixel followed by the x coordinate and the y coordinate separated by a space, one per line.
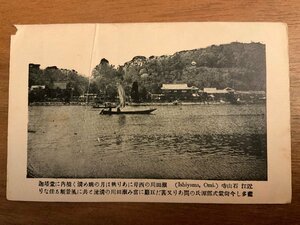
pixel 122 98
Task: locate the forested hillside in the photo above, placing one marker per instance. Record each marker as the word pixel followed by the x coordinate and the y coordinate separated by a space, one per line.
pixel 241 66
pixel 50 75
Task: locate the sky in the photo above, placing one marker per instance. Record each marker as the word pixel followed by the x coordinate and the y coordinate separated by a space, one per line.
pixel 82 46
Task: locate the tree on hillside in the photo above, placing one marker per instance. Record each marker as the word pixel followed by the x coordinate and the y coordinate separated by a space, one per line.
pixel 135 92
pixel 105 77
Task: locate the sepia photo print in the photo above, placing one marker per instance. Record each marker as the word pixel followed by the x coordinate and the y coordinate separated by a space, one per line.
pixel 150 112
pixel 194 114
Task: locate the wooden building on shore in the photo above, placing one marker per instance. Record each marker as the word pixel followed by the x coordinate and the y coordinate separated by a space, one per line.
pixel 172 92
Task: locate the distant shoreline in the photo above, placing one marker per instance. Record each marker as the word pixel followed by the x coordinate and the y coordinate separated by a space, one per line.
pixel 139 104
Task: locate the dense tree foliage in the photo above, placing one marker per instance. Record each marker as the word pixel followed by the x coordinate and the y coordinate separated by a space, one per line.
pixel 135 92
pixel 237 65
pixel 75 84
pixel 105 78
pixel 241 66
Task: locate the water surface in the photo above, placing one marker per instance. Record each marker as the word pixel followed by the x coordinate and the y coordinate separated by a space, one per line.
pixel 222 142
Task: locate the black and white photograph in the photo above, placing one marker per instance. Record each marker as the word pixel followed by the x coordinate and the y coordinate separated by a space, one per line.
pixel 151 106
pixel 149 112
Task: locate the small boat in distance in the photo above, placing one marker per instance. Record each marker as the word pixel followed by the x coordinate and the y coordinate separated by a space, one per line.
pixel 176 102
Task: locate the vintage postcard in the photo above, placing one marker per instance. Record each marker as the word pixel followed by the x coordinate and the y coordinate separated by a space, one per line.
pixel 150 112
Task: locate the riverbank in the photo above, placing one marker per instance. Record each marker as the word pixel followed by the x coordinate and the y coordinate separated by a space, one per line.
pixel 137 104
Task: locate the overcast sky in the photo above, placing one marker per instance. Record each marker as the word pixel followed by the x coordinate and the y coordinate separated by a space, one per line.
pixel 82 46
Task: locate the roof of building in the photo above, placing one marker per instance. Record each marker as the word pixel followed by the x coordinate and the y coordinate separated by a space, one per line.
pixel 176 87
pixel 229 89
pixel 194 88
pixel 251 92
pixel 209 89
pixel 216 91
pixel 37 87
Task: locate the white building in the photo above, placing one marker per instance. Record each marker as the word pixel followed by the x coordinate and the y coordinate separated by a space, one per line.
pixel 37 87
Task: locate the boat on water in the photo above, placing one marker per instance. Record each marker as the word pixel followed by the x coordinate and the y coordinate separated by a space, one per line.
pixel 176 102
pixel 122 104
pixel 110 112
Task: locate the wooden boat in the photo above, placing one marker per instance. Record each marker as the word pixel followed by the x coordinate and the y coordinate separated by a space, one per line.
pixel 110 112
pixel 176 102
pixel 122 104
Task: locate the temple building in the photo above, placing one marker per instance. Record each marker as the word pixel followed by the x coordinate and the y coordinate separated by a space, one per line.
pixel 174 92
pixel 218 94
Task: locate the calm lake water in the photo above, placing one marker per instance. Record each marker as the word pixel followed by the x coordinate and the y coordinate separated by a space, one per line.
pixel 222 142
